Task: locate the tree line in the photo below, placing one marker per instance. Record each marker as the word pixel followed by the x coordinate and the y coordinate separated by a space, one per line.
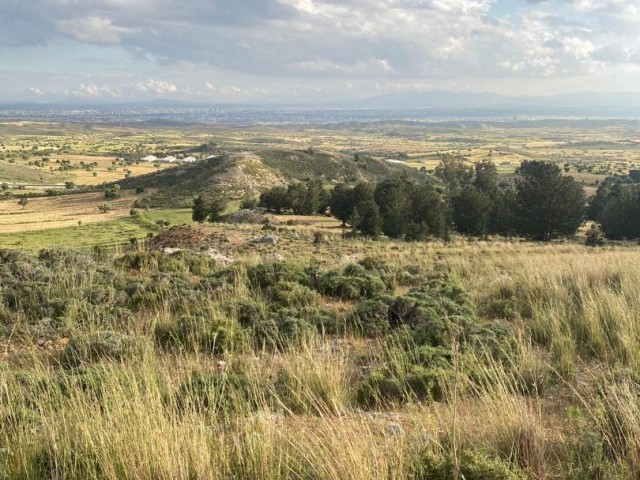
pixel 540 203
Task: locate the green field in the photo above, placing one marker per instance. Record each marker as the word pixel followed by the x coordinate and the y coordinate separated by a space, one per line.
pixel 106 234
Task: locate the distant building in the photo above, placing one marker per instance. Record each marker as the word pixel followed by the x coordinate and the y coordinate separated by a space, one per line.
pixel 393 160
pixel 169 159
pixel 188 160
pixel 150 158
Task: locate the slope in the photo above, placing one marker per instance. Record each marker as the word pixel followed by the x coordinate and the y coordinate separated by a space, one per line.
pixel 247 174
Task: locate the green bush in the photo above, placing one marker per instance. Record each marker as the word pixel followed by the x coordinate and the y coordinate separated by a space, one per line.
pixel 351 282
pixel 415 382
pixel 94 347
pixel 291 294
pixel 472 465
pixel 267 275
pixel 371 318
pixel 197 333
pixel 218 394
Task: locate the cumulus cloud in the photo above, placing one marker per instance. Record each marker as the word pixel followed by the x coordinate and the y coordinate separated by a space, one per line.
pixel 159 87
pixel 92 91
pixel 344 40
pixel 92 29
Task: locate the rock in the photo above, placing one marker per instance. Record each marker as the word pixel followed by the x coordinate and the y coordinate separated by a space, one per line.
pixel 170 251
pixel 393 429
pixel 41 342
pixel 219 258
pixel 345 259
pixel 273 257
pixel 268 240
pixel 221 366
pixel 252 216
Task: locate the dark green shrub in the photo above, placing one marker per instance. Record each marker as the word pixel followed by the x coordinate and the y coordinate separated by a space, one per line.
pixel 293 331
pixel 416 383
pixel 502 308
pixel 352 282
pixel 197 333
pixel 218 394
pixel 99 346
pixel 291 294
pixel 247 312
pixel 371 318
pixel 472 466
pixel 265 334
pixel 267 275
pixel 324 320
pixel 379 388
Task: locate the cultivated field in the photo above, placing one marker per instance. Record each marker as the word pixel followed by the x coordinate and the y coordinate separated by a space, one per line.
pixel 591 150
pixel 61 211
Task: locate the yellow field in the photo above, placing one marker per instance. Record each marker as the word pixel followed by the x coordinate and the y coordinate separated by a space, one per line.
pixel 62 211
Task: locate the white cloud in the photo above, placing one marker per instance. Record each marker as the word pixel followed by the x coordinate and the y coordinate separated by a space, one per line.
pixel 92 30
pixel 157 86
pixel 255 45
pixel 36 91
pixel 92 91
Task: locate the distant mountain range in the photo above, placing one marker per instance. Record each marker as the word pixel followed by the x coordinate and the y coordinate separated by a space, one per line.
pixel 432 103
pixel 621 102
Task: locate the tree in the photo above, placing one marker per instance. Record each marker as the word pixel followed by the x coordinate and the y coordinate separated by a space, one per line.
pixel 394 199
pixel 486 179
pixel 549 204
pixel 411 210
pixel 216 206
pixel 112 193
pixel 23 202
pixel 366 216
pixel 297 194
pixel 620 213
pixel 471 209
pixel 341 203
pixel 275 199
pixel 453 172
pixel 429 214
pixel 200 210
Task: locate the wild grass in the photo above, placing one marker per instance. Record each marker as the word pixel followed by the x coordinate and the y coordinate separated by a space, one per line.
pixel 218 388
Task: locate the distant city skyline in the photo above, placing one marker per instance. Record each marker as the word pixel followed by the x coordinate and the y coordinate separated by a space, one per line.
pixel 312 50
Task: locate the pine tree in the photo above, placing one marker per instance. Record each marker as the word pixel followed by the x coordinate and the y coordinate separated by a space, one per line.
pixel 200 210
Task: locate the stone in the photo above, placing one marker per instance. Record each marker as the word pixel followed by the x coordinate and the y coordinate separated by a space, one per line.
pixel 273 257
pixel 220 259
pixel 268 240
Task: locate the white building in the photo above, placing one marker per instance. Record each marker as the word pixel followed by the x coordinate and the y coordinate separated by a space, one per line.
pixel 169 159
pixel 188 160
pixel 150 158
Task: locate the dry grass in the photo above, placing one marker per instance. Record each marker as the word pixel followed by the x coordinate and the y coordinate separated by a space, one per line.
pixel 62 211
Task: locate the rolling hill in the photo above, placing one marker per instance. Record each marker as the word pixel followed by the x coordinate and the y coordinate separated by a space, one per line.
pixel 247 174
pixel 14 173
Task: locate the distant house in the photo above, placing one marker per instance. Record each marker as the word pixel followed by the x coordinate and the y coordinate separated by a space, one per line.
pixel 169 159
pixel 188 160
pixel 150 158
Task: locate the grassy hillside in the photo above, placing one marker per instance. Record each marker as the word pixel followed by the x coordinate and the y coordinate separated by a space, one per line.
pixel 247 174
pixel 476 360
pixel 15 173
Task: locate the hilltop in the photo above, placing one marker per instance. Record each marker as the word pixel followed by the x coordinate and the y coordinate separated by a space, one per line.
pixel 247 174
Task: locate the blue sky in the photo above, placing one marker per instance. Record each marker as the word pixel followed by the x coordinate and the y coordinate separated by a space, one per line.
pixel 237 50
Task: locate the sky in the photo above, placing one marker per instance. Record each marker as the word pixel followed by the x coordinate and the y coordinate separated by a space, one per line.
pixel 317 50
